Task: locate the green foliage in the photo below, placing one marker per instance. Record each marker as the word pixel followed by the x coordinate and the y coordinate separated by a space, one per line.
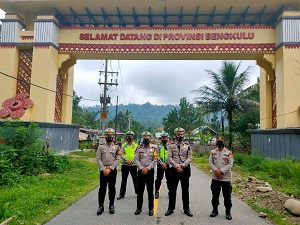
pixel 188 117
pixel 251 163
pixel 88 154
pixel 85 145
pixel 283 173
pixel 82 116
pixel 22 153
pixel 147 115
pixel 126 121
pixel 204 139
pixel 36 199
pixel 226 93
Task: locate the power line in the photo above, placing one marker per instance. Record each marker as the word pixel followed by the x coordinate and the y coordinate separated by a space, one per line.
pixel 280 115
pixel 38 86
pixel 97 100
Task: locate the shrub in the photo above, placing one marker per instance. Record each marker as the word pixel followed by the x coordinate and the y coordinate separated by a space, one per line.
pixel 21 153
pixel 250 162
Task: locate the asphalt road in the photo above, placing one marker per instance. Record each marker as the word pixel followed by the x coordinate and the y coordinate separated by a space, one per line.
pixel 83 212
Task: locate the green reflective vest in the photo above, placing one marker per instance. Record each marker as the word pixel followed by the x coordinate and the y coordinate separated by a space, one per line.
pixel 163 154
pixel 129 151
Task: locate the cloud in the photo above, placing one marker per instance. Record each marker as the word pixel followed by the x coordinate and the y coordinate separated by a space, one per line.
pixel 159 82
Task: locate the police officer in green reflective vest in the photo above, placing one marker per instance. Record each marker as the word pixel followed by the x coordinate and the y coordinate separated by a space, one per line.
pixel 128 164
pixel 180 157
pixel 108 157
pixel 162 163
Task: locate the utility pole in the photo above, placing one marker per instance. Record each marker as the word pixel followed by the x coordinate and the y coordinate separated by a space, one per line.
pixel 104 99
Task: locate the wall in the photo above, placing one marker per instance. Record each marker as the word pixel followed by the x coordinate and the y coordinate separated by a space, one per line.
pixel 276 143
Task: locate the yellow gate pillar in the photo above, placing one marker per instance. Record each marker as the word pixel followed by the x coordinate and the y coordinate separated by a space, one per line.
pixel 66 67
pixel 287 69
pixel 44 69
pixel 267 82
pixel 12 25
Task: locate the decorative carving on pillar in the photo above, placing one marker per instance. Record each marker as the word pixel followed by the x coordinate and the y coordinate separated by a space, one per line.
pixel 24 71
pixel 274 105
pixel 58 98
pixel 15 107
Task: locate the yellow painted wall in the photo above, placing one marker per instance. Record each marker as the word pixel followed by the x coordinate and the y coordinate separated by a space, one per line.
pixel 67 100
pixel 44 72
pixel 265 101
pixel 8 65
pixel 287 87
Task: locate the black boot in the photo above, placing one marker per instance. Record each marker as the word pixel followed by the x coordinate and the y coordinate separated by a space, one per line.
pixel 156 195
pixel 111 209
pixel 228 215
pixel 188 213
pixel 214 213
pixel 100 209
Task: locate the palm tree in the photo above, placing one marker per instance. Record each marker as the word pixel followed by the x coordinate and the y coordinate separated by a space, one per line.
pixel 127 114
pixel 226 93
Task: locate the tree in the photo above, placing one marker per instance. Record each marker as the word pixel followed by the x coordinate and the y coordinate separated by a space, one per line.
pixel 81 116
pixel 226 92
pixel 123 122
pixel 248 117
pixel 188 117
pixel 128 115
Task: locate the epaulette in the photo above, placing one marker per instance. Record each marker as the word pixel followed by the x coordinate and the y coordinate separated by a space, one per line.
pixel 119 152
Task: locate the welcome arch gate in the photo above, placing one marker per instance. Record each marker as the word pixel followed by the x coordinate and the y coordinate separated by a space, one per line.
pixel 41 41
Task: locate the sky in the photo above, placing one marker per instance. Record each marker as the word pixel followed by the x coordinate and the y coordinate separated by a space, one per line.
pixel 159 82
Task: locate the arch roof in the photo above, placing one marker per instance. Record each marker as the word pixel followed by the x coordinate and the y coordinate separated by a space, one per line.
pixel 163 13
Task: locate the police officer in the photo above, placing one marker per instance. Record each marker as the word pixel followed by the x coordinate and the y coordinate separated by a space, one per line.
pixel 180 157
pixel 162 163
pixel 108 157
pixel 221 161
pixel 128 164
pixel 146 158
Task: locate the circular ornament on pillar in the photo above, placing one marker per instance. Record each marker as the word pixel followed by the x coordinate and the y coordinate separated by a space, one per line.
pixel 15 107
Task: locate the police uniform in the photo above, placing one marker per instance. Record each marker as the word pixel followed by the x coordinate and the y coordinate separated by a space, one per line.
pixel 128 153
pixel 108 156
pixel 145 157
pixel 180 155
pixel 163 158
pixel 221 160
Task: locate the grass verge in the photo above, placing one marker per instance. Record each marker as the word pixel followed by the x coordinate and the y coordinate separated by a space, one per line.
pixel 49 194
pixel 283 175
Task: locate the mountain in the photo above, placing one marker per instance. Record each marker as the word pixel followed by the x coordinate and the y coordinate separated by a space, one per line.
pixel 147 114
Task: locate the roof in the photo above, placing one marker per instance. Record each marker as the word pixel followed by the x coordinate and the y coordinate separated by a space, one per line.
pixel 137 13
pixel 161 128
pixel 86 130
pixel 201 128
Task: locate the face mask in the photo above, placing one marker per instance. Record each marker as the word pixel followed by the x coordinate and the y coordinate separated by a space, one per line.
pixel 146 141
pixel 179 138
pixel 220 144
pixel 164 141
pixel 129 139
pixel 109 139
